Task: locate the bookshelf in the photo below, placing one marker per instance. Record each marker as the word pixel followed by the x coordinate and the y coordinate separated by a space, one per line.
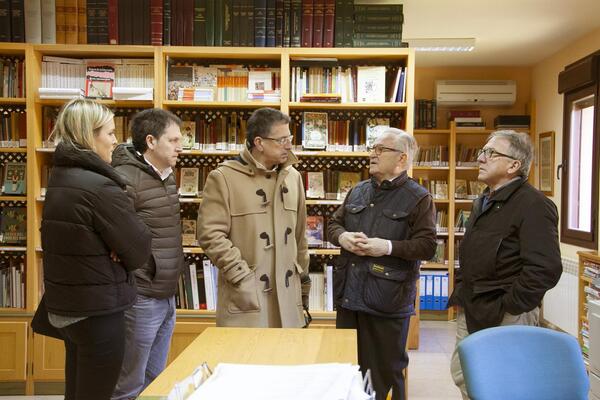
pixel 40 359
pixel 589 289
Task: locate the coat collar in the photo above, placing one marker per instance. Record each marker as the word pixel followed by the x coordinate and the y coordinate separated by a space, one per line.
pixel 389 185
pixel 67 155
pixel 248 165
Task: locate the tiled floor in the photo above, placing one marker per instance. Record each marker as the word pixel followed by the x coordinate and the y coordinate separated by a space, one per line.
pixel 429 369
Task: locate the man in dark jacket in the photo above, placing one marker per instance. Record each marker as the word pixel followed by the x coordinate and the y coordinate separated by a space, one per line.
pixel 147 166
pixel 510 254
pixel 385 226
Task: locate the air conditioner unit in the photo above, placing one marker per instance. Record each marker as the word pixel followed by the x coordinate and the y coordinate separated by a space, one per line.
pixel 466 92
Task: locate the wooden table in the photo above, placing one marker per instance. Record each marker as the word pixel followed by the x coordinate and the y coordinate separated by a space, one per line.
pixel 256 346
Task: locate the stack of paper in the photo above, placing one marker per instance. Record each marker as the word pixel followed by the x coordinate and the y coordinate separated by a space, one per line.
pixel 274 382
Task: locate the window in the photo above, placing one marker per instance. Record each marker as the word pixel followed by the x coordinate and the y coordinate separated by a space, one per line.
pixel 579 198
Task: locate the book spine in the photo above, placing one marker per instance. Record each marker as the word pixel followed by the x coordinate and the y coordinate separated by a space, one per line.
pixel 318 15
pixel 287 23
pixel 102 21
pixel 92 22
pixel 210 22
pixel 5 21
pixel 71 22
pixel 124 22
pixel 60 21
pixel 348 22
pixel 227 23
pixel 219 25
pixel 17 21
pixel 136 19
pixel 377 27
pixel 279 23
pixel 380 9
pixel 339 23
pixel 166 22
pixel 329 23
pixel 82 21
pixel 377 36
pixel 199 22
pixel 260 23
pixel 188 22
pixel 33 22
pixel 307 23
pixel 235 23
pixel 271 11
pixel 378 19
pixel 48 21
pixel 156 21
pixel 146 22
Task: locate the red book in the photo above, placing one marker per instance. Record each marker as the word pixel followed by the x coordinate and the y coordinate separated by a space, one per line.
pixel 318 14
pixel 329 23
pixel 156 22
pixel 187 16
pixel 113 22
pixel 307 23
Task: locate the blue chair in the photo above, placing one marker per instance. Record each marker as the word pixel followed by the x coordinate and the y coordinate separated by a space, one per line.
pixel 523 363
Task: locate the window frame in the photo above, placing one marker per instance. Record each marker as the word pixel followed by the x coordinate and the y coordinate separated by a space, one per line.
pixel 578 83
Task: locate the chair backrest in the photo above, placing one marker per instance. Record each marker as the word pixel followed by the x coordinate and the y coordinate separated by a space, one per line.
pixel 523 363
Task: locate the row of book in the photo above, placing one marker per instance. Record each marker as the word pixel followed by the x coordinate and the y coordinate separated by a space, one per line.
pixel 460 223
pixel 330 184
pixel 260 23
pixel 466 155
pixel 13 225
pixel 431 156
pixel 13 129
pixel 437 188
pixel 12 283
pixel 466 189
pixel 121 79
pixel 197 288
pixel 425 114
pixel 348 84
pixel 233 82
pixel 320 297
pixel 12 77
pixel 433 290
pixel 591 292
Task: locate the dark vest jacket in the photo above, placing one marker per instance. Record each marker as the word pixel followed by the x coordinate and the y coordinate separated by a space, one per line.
pixel 383 286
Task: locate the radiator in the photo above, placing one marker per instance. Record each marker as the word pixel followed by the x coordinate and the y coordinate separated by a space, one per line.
pixel 560 303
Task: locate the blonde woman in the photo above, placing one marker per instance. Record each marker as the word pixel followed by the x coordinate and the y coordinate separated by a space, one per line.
pixel 92 240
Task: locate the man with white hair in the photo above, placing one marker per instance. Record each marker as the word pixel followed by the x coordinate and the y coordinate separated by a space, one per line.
pixel 509 256
pixel 385 226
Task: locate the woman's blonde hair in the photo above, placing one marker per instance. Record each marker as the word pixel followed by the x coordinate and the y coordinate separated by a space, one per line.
pixel 78 121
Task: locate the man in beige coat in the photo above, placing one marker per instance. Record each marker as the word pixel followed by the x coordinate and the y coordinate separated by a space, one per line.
pixel 252 226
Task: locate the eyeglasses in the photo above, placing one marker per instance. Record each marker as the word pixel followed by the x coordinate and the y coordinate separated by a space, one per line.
pixel 281 141
pixel 381 149
pixel 490 153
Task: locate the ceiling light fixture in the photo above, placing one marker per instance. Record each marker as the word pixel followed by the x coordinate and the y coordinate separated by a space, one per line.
pixel 442 44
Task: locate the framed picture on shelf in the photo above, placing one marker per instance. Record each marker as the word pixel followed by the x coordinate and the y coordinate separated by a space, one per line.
pixel 546 163
pixel 15 181
pixel 314 130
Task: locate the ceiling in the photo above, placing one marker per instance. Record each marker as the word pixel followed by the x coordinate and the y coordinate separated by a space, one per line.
pixel 506 32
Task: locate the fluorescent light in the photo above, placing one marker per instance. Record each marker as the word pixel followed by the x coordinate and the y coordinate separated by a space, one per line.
pixel 442 44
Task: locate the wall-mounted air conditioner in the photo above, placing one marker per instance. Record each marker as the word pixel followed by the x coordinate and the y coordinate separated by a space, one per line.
pixel 469 92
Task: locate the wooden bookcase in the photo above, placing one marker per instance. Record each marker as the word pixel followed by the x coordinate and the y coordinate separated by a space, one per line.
pixel 39 359
pixel 585 282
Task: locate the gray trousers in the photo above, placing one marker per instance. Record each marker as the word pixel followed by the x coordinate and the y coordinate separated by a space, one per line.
pixel 529 318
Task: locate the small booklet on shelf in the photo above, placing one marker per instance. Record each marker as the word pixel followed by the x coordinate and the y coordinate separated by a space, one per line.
pixel 314 230
pixel 370 84
pixel 188 232
pixel 13 228
pixel 315 185
pixel 314 130
pixel 15 181
pixel 189 182
pixel 99 80
pixel 346 181
pixel 188 133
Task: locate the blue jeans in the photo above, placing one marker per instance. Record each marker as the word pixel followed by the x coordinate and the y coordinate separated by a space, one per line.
pixel 149 326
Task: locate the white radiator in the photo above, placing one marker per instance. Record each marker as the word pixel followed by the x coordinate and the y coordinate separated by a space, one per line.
pixel 560 303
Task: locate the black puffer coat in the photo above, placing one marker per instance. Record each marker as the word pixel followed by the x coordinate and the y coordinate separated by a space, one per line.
pixel 86 215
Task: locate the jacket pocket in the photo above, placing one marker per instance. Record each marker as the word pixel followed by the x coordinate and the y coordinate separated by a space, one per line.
pixel 243 296
pixel 387 290
pixel 340 272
